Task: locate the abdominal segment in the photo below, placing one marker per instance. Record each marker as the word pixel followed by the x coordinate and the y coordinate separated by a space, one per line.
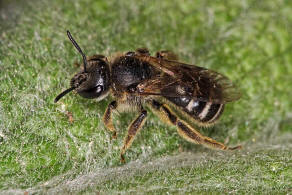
pixel 206 112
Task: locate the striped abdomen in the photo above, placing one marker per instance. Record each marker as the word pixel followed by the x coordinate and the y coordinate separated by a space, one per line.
pixel 205 112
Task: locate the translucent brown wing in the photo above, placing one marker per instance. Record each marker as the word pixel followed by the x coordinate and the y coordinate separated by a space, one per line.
pixel 184 80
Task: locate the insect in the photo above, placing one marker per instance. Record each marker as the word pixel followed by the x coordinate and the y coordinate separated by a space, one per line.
pixel 180 94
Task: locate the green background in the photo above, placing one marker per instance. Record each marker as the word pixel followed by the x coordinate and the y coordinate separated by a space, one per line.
pixel 41 151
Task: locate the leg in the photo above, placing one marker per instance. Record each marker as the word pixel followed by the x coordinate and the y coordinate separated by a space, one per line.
pixel 167 55
pixel 107 118
pixel 133 129
pixel 186 131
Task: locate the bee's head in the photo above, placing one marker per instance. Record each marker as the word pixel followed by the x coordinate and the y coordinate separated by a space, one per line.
pixel 94 80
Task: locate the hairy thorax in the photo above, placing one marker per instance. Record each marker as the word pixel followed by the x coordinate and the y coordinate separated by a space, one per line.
pixel 127 72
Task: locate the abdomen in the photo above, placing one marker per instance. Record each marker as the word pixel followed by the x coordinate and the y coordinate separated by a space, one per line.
pixel 203 112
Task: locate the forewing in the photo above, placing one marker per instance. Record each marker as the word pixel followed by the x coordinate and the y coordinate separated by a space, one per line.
pixel 215 87
pixel 184 80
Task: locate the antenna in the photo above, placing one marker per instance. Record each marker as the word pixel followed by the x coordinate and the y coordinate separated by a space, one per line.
pixel 78 48
pixel 63 93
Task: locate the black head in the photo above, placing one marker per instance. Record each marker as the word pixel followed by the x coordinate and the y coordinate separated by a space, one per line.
pixel 94 80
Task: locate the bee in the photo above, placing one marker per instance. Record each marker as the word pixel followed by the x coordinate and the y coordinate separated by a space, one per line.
pixel 180 94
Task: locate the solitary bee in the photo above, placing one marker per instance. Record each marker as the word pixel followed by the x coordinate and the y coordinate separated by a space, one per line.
pixel 179 93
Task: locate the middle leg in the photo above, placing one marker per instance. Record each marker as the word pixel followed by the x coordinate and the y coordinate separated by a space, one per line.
pixel 133 129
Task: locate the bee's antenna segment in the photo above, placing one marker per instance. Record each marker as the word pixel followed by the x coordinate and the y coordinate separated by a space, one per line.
pixel 63 93
pixel 78 48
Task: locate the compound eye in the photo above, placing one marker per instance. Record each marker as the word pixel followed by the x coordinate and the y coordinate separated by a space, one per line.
pixel 130 53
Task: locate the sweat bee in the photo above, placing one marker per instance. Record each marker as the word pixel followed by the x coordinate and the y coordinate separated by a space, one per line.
pixel 180 94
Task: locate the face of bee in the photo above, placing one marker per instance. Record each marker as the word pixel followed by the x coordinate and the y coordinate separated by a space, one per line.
pixel 95 82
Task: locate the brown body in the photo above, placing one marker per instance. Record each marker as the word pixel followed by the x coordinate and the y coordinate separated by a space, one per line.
pixel 179 93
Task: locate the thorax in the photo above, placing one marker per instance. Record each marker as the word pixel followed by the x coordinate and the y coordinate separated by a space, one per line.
pixel 128 72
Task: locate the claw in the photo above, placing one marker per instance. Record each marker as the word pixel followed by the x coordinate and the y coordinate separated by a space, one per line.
pixel 123 159
pixel 114 136
pixel 239 147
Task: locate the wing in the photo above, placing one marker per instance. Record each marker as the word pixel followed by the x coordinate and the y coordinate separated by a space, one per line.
pixel 184 80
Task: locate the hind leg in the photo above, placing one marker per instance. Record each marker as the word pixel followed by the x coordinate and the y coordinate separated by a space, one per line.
pixel 186 131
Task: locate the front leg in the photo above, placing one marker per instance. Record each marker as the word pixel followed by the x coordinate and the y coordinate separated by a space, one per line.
pixel 133 129
pixel 107 118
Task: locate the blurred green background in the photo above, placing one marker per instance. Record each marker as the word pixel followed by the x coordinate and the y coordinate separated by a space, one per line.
pixel 41 151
